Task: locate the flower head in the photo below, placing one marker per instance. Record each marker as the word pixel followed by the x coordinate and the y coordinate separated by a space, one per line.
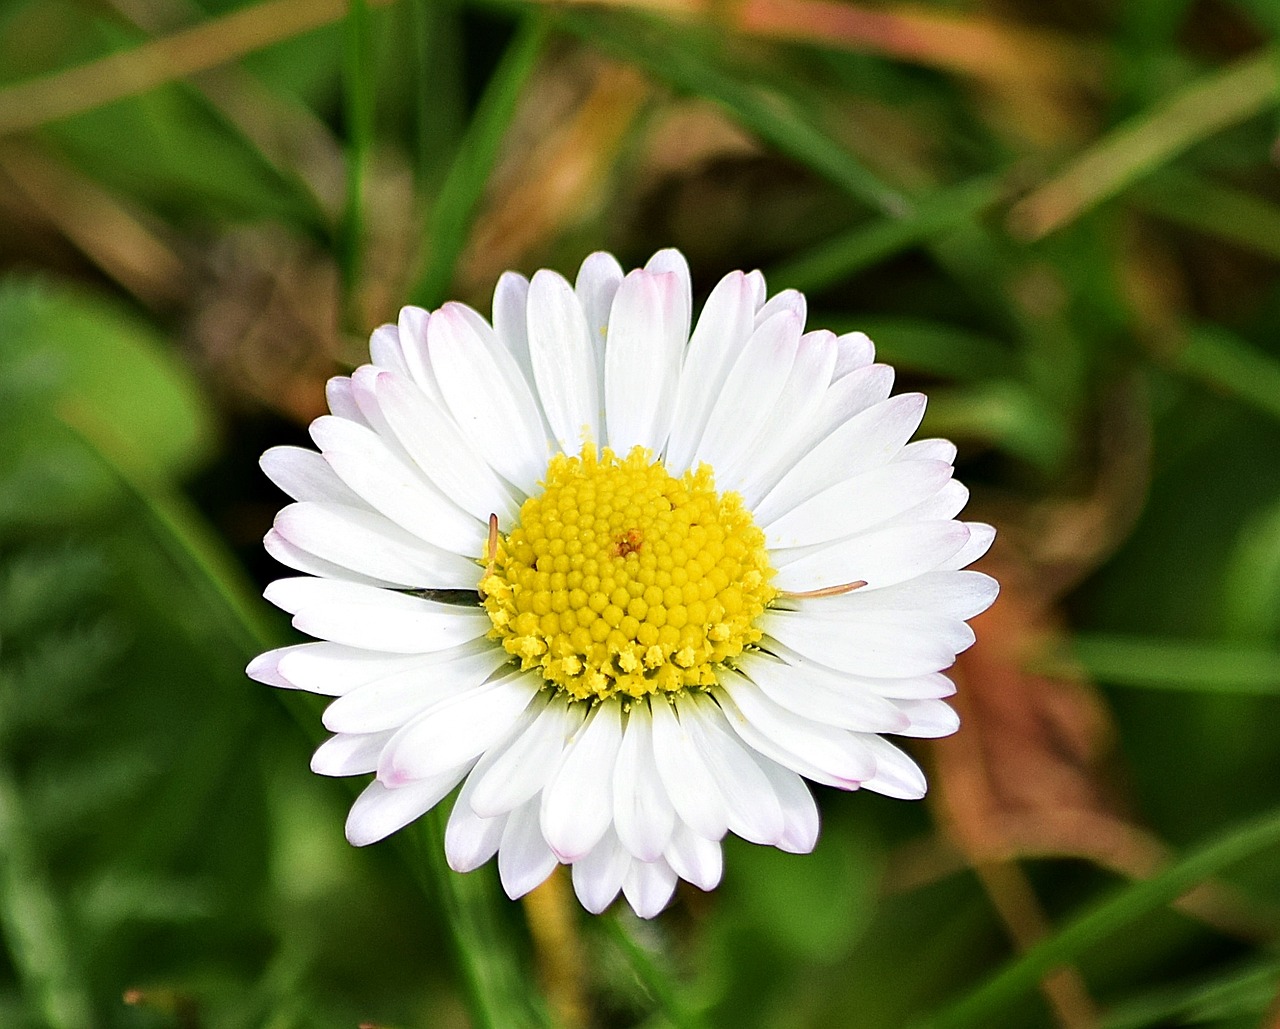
pixel 627 584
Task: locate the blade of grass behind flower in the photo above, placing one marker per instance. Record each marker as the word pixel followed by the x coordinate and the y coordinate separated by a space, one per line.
pixel 1242 990
pixel 1148 140
pixel 652 976
pixel 357 107
pixel 1231 214
pixel 28 104
pixel 982 1007
pixel 690 60
pixel 455 205
pixel 1199 667
pixel 845 255
pixel 440 112
pixel 1224 362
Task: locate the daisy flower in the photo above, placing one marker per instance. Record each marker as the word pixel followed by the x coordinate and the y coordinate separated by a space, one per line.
pixel 628 584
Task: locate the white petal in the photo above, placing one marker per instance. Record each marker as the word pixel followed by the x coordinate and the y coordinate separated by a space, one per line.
pixel 942 506
pixel 822 696
pixel 436 445
pixel 726 322
pixel 981 536
pixel 688 781
pixel 671 261
pixel 855 351
pixel 952 594
pixel 929 450
pixel 930 719
pixel 413 343
pixel 456 730
pixel 305 475
pixel 349 754
pixel 265 668
pixel 863 442
pixel 819 752
pixel 752 809
pixel 930 686
pixel 596 286
pixel 385 350
pixel 850 395
pixel 755 282
pixel 598 875
pixel 396 489
pixel 786 435
pixel 920 687
pixel 642 361
pixel 469 840
pixel 523 768
pixel 695 859
pixel 510 319
pixel 642 813
pixel 888 644
pixel 375 619
pixel 488 396
pixel 342 401
pixel 524 859
pixel 577 804
pixel 393 700
pixel 378 811
pixel 304 561
pixel 751 389
pixel 370 544
pixel 799 812
pixel 858 503
pixel 362 383
pixel 896 774
pixel 648 886
pixel 332 669
pixel 879 558
pixel 564 362
pixel 788 300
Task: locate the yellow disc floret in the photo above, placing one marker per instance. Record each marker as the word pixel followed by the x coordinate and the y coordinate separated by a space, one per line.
pixel 622 579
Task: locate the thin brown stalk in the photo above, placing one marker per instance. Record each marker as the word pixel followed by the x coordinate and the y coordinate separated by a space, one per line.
pixel 47 98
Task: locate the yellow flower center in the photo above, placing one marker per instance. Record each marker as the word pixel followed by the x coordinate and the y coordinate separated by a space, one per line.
pixel 622 579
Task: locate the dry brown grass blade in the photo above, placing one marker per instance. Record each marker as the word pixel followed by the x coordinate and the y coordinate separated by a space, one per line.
pixel 554 178
pixel 35 102
pixel 551 910
pixel 1200 109
pixel 116 239
pixel 977 46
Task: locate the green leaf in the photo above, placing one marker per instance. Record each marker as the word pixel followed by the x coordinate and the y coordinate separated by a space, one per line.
pixel 91 357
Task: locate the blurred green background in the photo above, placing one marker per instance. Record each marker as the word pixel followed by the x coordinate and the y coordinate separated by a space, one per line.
pixel 1060 218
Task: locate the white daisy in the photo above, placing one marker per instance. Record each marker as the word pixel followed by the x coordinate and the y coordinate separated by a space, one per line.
pixel 625 583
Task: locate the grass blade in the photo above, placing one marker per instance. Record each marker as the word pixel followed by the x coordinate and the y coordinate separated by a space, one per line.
pixel 1209 667
pixel 34 102
pixel 982 1007
pixel 357 106
pixel 691 62
pixel 1241 218
pixel 455 205
pixel 1149 140
pixel 839 258
pixel 1226 363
